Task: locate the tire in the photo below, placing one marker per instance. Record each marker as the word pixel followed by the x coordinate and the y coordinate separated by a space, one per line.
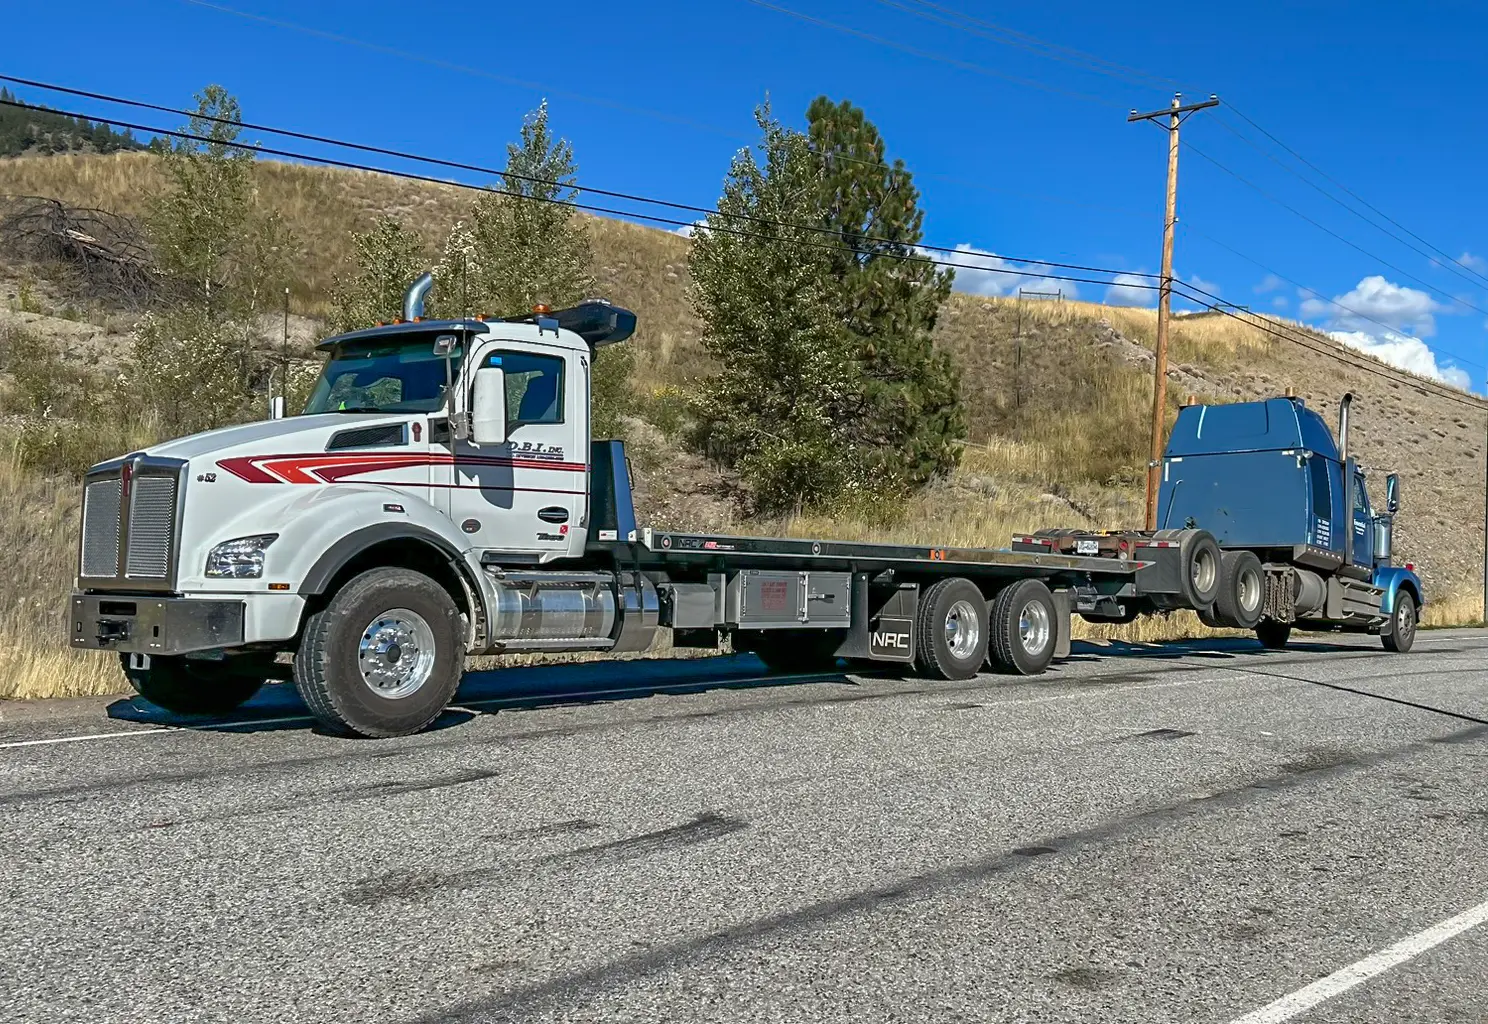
pixel 353 670
pixel 1025 628
pixel 791 650
pixel 952 630
pixel 1403 623
pixel 1273 635
pixel 190 687
pixel 1242 590
pixel 1202 568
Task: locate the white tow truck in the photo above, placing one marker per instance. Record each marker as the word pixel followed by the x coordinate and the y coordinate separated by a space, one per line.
pixel 441 496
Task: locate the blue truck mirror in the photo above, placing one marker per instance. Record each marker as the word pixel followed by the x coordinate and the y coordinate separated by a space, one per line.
pixel 1392 493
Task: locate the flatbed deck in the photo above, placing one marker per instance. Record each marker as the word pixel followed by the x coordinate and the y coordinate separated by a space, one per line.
pixel 660 548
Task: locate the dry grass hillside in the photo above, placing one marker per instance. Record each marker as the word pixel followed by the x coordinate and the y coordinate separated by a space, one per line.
pixel 1058 396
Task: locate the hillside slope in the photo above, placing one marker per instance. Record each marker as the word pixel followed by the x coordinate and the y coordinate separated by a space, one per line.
pixel 1058 396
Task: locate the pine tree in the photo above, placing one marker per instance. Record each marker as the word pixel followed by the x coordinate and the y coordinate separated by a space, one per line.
pixel 909 416
pixel 776 409
pixel 830 381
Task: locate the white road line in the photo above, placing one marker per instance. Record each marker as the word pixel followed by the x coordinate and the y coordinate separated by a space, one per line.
pixel 80 739
pixel 1341 981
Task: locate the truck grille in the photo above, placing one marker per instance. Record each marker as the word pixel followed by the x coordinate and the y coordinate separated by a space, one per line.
pixel 129 532
pixel 101 528
pixel 152 522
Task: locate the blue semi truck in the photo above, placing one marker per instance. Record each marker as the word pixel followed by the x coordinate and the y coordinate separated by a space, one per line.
pixel 1301 544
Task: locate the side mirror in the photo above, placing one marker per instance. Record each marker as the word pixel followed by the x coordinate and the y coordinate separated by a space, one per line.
pixel 488 406
pixel 1392 493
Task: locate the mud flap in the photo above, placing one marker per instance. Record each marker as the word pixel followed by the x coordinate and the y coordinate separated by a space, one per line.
pixel 1061 624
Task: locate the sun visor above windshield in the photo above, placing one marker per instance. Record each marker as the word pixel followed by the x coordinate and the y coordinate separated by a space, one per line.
pixel 432 327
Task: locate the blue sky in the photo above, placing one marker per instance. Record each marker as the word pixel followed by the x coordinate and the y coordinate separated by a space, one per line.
pixel 1019 150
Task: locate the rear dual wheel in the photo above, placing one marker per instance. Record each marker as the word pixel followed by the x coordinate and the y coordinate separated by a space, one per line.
pixel 952 633
pixel 1025 628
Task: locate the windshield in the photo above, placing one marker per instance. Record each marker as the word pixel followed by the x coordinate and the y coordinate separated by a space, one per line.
pixel 385 376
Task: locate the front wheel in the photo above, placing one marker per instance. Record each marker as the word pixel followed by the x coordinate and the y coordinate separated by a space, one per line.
pixel 384 657
pixel 1403 624
pixel 190 687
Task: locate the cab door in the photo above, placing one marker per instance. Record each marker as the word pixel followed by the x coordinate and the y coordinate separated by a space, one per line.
pixel 528 495
pixel 1363 524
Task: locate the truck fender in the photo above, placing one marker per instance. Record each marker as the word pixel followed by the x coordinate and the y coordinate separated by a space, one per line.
pixel 339 554
pixel 1392 579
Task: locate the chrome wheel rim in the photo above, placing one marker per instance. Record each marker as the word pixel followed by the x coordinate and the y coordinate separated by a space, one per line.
pixel 396 653
pixel 1204 572
pixel 1034 627
pixel 963 630
pixel 1250 590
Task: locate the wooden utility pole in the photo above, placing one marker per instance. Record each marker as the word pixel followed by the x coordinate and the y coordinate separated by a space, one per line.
pixel 1176 115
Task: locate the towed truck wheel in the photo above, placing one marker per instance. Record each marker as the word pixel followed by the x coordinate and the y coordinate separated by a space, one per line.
pixel 384 657
pixel 189 687
pixel 1242 592
pixel 1024 628
pixel 1403 623
pixel 952 635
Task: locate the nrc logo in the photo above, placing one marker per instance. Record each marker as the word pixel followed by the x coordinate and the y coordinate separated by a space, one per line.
pixel 899 640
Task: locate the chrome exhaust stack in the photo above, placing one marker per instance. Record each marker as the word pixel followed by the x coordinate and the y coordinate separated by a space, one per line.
pixel 413 299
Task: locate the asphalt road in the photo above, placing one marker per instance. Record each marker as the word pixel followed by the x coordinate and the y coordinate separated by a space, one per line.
pixel 1188 834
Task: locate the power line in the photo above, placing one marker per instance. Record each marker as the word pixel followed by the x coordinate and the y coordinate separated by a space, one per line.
pixel 1476 281
pixel 598 101
pixel 1340 185
pixel 1329 231
pixel 1321 297
pixel 530 179
pixel 1005 36
pixel 1320 346
pixel 587 207
pixel 928 55
pixel 465 69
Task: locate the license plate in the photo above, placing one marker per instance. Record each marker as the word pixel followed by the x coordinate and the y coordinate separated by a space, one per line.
pixel 1087 547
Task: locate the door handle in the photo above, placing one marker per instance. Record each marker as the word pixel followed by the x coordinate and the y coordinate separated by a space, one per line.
pixel 553 514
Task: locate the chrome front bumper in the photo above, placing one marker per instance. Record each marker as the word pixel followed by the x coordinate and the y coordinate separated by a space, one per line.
pixel 132 624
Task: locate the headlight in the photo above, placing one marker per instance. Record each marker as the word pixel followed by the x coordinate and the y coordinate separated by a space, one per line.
pixel 239 559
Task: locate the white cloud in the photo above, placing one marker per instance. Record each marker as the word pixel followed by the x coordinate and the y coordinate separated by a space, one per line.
pixel 1376 299
pixel 1472 262
pixel 1280 302
pixel 1406 353
pixel 985 273
pixel 688 230
pixel 1127 290
pixel 1204 286
pixel 1269 283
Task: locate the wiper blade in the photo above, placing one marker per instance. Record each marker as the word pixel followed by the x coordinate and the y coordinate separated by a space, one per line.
pixel 357 408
